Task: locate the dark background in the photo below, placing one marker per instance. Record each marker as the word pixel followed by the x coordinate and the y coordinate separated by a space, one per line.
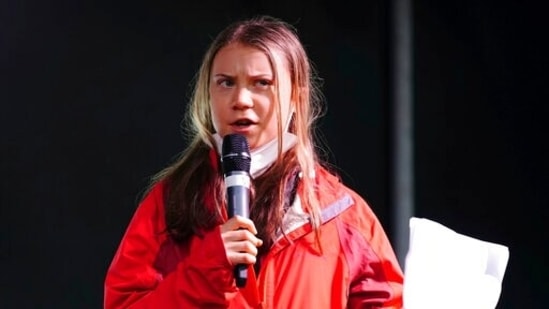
pixel 93 93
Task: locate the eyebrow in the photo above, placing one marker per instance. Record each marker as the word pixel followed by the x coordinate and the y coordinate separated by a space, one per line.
pixel 260 75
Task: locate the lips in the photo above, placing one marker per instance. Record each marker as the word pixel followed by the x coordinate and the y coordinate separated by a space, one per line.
pixel 243 122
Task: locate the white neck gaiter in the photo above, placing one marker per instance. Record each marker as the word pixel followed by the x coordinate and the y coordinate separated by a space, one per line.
pixel 264 156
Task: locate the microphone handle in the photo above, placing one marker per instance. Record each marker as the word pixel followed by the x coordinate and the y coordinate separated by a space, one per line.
pixel 238 198
pixel 241 275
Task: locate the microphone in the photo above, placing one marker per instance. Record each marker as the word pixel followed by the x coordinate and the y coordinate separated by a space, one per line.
pixel 236 162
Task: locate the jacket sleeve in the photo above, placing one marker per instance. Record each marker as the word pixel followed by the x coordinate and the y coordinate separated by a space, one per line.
pixel 376 276
pixel 201 278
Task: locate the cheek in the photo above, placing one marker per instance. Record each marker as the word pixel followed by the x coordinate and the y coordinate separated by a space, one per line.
pixel 286 107
pixel 285 94
pixel 215 122
pixel 215 114
pixel 267 107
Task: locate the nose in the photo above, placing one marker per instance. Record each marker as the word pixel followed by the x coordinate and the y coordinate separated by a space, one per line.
pixel 243 98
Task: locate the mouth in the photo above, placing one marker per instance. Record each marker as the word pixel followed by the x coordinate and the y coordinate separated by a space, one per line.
pixel 243 123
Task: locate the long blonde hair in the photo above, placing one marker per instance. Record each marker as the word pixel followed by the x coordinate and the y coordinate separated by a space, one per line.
pixel 190 175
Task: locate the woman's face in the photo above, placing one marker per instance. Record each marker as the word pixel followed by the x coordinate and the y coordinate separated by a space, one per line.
pixel 243 96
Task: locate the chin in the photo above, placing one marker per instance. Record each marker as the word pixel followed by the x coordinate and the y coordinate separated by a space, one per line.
pixel 255 143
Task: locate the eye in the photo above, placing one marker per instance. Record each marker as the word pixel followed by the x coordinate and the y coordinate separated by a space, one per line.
pixel 225 82
pixel 263 83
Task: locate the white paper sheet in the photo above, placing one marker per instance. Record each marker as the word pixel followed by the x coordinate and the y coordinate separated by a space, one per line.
pixel 448 270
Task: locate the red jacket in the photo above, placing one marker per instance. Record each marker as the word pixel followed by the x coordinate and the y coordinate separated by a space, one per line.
pixel 357 268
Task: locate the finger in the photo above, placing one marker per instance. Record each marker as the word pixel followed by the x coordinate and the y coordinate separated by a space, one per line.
pixel 236 258
pixel 241 235
pixel 238 222
pixel 243 246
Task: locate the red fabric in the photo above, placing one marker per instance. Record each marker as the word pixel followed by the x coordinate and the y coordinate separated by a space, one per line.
pixel 357 268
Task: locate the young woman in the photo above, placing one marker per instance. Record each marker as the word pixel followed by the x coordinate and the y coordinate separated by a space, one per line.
pixel 309 242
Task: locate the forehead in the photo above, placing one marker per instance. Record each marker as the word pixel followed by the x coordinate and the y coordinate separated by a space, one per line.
pixel 237 56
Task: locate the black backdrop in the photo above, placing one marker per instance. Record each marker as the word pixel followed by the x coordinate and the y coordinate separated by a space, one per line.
pixel 93 93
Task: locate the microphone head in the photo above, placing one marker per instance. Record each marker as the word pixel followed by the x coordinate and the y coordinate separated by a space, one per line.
pixel 235 154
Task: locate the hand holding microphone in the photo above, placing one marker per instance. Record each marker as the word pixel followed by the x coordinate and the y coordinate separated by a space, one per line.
pixel 236 162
